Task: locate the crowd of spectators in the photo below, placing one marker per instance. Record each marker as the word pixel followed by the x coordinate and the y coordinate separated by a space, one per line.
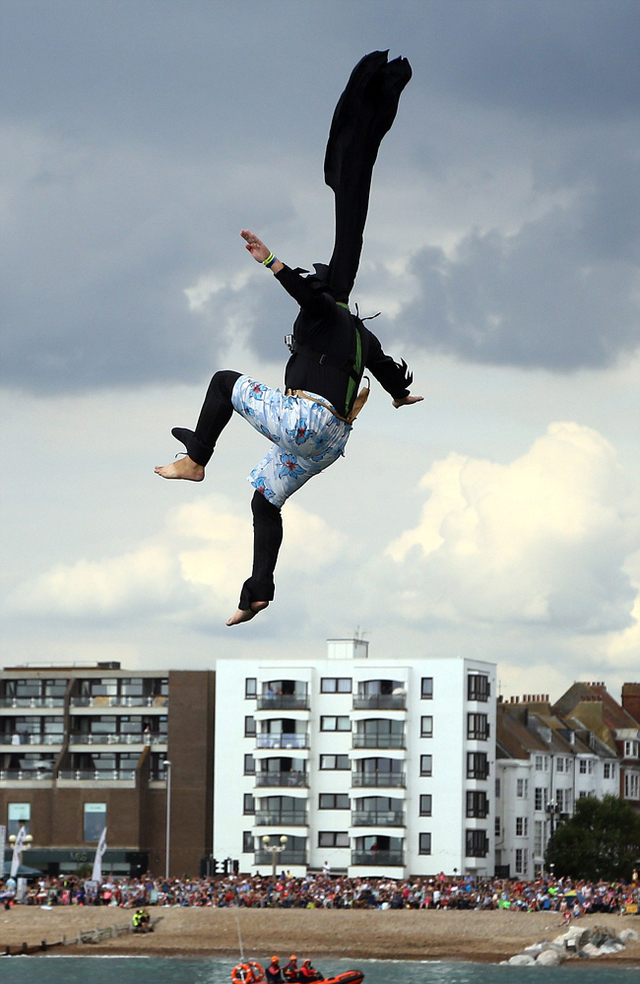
pixel 324 891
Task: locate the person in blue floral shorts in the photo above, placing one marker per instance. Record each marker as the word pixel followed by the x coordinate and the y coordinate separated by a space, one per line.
pixel 308 424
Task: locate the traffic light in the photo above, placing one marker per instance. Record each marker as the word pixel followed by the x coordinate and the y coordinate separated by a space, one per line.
pixel 225 866
pixel 236 867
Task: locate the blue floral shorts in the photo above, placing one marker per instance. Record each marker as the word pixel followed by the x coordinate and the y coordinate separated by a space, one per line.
pixel 306 437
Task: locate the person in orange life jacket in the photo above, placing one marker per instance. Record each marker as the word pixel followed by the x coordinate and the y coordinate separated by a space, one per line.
pixel 309 973
pixel 290 972
pixel 273 972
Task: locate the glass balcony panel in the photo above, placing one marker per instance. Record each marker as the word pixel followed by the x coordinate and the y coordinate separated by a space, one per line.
pixel 378 779
pixel 370 858
pixel 284 859
pixel 16 775
pixel 287 818
pixel 382 740
pixel 379 702
pixel 274 779
pixel 93 775
pixel 282 740
pixel 283 702
pixel 377 818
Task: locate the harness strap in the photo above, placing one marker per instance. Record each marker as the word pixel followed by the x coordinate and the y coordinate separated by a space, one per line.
pixel 358 404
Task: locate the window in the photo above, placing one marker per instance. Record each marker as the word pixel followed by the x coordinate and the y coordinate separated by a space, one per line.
pixel 477 765
pixel 522 860
pixel 95 820
pixel 426 726
pixel 426 765
pixel 249 765
pixel 477 727
pixel 497 829
pixel 477 843
pixel 339 763
pixel 539 763
pixel 560 797
pixel 478 687
pixel 341 722
pixel 522 826
pixel 541 798
pixel 18 815
pixel 586 767
pixel 335 685
pixel 538 833
pixel 333 838
pixel 426 688
pixel 559 764
pixel 425 805
pixel 249 804
pixel 247 842
pixel 522 788
pixel 632 785
pixel 250 690
pixel 498 788
pixel 631 749
pixel 477 803
pixel 249 726
pixel 609 770
pixel 333 801
pixel 424 844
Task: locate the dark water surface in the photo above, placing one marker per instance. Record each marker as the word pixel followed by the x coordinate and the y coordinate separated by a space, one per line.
pixel 180 970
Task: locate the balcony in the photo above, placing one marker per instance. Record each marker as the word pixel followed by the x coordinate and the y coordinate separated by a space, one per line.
pixel 285 818
pixel 285 859
pixel 382 740
pixel 289 740
pixel 93 775
pixel 288 779
pixel 377 818
pixel 34 702
pixel 77 738
pixel 16 775
pixel 369 780
pixel 27 738
pixel 368 859
pixel 100 701
pixel 380 702
pixel 283 702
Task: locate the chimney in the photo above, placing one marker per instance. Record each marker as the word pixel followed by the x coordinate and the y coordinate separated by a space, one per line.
pixel 631 700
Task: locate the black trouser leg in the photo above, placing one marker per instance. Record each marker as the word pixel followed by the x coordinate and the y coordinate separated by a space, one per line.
pixel 267 537
pixel 215 415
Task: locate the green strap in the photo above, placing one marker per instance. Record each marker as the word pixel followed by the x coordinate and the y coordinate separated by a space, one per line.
pixel 355 375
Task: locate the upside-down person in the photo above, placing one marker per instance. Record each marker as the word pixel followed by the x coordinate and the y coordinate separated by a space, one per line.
pixel 309 424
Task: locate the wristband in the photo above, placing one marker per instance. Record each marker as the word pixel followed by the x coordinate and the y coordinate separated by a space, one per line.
pixel 270 260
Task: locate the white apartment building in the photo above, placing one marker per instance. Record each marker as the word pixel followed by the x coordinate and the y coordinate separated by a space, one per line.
pixel 374 766
pixel 543 767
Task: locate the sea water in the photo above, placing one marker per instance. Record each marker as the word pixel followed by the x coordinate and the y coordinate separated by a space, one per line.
pixel 181 970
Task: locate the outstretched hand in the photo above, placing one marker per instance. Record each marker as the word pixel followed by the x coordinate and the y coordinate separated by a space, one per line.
pixel 255 246
pixel 406 401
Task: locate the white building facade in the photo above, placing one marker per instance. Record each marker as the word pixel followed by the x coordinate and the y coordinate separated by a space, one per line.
pixel 371 766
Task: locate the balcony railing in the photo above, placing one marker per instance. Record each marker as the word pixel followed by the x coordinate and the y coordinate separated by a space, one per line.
pixel 377 818
pixel 104 775
pixel 377 858
pixel 282 741
pixel 104 701
pixel 32 702
pixel 283 702
pixel 28 738
pixel 376 779
pixel 283 860
pixel 13 775
pixel 382 740
pixel 379 702
pixel 282 779
pixel 77 738
pixel 286 818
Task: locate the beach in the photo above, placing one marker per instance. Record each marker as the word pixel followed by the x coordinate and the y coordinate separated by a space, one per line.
pixel 358 934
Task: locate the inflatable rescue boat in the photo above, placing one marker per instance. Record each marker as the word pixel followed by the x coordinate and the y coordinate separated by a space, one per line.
pixel 251 972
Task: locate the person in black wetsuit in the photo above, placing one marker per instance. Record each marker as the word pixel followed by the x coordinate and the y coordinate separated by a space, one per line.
pixel 310 423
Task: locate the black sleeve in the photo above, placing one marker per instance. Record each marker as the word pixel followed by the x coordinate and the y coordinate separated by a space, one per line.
pixel 314 301
pixel 393 377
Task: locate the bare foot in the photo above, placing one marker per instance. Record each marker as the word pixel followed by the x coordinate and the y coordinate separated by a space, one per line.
pixel 184 468
pixel 246 614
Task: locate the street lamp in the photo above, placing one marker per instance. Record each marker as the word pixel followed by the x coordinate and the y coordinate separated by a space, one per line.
pixel 167 842
pixel 553 812
pixel 23 844
pixel 274 849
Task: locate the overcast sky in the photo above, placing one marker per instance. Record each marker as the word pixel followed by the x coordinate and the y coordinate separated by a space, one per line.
pixel 498 519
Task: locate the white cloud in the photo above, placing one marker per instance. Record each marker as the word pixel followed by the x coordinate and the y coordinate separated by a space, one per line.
pixel 542 540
